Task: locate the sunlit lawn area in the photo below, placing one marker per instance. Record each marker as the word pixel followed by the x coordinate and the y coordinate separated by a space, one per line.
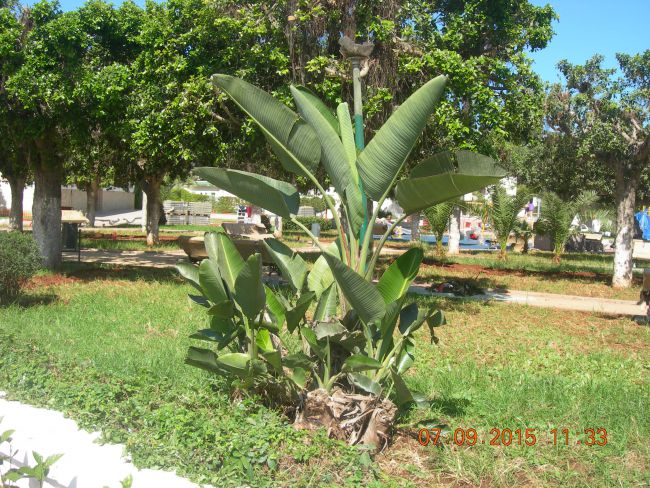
pixel 580 274
pixel 106 345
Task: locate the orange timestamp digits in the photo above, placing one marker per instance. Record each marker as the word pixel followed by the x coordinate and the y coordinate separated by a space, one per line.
pixel 517 437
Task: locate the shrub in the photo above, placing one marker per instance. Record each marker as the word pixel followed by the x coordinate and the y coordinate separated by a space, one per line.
pixel 348 362
pixel 226 204
pixel 182 195
pixel 325 224
pixel 19 260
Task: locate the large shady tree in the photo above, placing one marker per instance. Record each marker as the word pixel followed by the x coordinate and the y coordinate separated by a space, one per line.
pixel 342 353
pixel 610 116
pixel 44 87
pixel 13 145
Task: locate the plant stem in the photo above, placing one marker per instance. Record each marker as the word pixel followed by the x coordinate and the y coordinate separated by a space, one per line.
pixel 308 232
pixel 382 241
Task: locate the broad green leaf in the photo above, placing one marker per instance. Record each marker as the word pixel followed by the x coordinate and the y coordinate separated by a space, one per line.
pixel 366 384
pixel 360 362
pixel 362 295
pixel 299 377
pixel 263 340
pixel 380 162
pixel 388 324
pixel 432 182
pixel 200 300
pixel 411 318
pixel 204 359
pixel 320 277
pixel 329 329
pixel 407 357
pixel 402 393
pixel 211 282
pixel 436 319
pixel 225 309
pixel 312 340
pixel 298 360
pixel 354 205
pixel 347 139
pixel 289 136
pixel 190 273
pixel 235 362
pixel 320 106
pixel 297 313
pixel 249 291
pixel 210 335
pixel 228 260
pixel 276 196
pixel 333 155
pixel 326 306
pixel 291 264
pixel 275 306
pixel 211 243
pixel 272 356
pixel 396 280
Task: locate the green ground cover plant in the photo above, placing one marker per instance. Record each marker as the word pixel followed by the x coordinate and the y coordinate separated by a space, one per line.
pixel 112 356
pixel 19 261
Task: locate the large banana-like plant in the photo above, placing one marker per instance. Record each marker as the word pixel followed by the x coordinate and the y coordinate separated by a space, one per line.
pixel 358 333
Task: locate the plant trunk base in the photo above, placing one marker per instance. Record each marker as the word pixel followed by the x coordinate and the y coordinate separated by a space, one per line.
pixel 354 418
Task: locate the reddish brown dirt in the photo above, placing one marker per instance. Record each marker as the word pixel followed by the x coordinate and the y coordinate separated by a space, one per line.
pixel 478 269
pixel 50 280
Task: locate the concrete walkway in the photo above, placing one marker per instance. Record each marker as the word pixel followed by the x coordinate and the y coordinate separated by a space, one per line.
pixel 84 464
pixel 149 259
pixel 609 306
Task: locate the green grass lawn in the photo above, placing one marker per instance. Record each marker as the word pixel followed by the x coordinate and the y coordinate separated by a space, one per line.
pixel 106 345
pixel 577 274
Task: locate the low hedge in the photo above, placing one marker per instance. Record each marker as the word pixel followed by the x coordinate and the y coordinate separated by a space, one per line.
pixel 325 224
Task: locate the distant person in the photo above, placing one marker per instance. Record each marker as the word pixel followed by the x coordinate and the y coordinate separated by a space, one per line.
pixel 530 208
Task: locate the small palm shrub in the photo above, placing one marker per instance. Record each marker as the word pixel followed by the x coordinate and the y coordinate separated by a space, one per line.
pixel 19 260
pixel 557 216
pixel 356 338
pixel 438 217
pixel 502 212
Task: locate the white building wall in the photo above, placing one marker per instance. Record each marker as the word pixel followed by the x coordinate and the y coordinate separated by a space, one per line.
pixel 109 200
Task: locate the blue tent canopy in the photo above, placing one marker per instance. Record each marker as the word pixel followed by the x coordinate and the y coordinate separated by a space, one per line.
pixel 644 224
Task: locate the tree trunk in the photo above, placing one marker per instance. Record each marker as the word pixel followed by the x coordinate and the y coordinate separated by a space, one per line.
pixel 625 200
pixel 17 186
pixel 415 228
pixel 453 246
pixel 92 197
pixel 151 187
pixel 46 212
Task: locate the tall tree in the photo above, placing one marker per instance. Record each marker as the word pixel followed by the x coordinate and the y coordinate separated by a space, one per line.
pixel 44 86
pixel 14 152
pixel 611 117
pixel 99 144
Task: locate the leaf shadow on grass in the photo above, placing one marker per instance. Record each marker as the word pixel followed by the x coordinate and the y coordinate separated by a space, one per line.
pixel 87 272
pixel 450 406
pixel 32 300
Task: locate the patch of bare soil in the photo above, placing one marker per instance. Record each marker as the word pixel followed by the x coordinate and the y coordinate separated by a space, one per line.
pixel 50 280
pixel 478 269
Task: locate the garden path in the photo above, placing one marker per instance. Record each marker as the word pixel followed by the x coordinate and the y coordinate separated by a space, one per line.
pixel 608 306
pixel 84 464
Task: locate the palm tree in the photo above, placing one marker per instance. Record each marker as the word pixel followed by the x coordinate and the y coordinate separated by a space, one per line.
pixel 502 212
pixel 557 217
pixel 438 217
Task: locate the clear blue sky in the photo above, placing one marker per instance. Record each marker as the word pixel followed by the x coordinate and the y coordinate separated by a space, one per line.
pixel 585 27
